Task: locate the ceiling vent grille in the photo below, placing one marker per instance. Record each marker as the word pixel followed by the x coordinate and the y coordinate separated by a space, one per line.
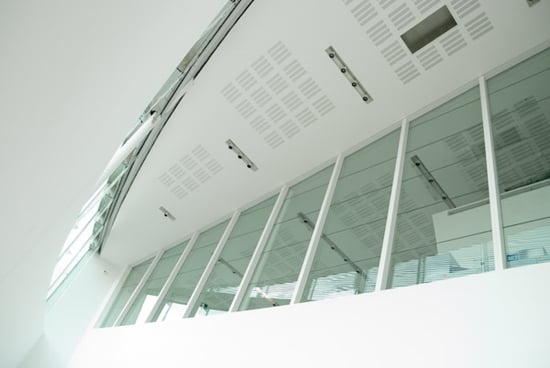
pixel 191 171
pixel 429 29
pixel 383 22
pixel 277 97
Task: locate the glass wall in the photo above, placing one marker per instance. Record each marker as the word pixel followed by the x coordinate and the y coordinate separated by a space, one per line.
pixel 443 226
pixel 224 281
pixel 148 295
pixel 174 304
pixel 348 253
pixel 132 280
pixel 275 278
pixel 520 108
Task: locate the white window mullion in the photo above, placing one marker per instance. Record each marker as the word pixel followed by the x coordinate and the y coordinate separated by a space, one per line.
pixel 492 179
pixel 253 263
pixel 138 289
pixel 172 277
pixel 389 231
pixel 210 266
pixel 317 232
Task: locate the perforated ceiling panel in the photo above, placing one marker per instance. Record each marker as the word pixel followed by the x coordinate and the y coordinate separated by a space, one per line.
pixel 277 96
pixel 384 21
pixel 191 171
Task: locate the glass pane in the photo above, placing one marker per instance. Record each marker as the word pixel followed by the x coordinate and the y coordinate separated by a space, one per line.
pixel 520 108
pixel 275 277
pixel 221 287
pixel 147 297
pixel 348 254
pixel 125 292
pixel 443 227
pixel 173 306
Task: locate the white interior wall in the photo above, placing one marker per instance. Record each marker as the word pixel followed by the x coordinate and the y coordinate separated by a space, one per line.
pixel 497 319
pixel 71 313
pixel 75 76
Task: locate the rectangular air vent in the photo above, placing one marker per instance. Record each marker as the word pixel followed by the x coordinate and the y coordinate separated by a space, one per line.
pixel 429 29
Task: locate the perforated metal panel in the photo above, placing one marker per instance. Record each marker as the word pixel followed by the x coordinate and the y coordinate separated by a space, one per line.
pixel 277 96
pixel 190 172
pixel 383 22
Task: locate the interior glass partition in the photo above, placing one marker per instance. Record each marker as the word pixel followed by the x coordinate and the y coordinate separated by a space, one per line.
pixel 224 281
pixel 132 280
pixel 348 253
pixel 174 304
pixel 443 226
pixel 148 295
pixel 275 277
pixel 520 107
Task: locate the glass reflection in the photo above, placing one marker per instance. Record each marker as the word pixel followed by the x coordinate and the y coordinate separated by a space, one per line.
pixel 520 108
pixel 147 297
pixel 223 283
pixel 348 253
pixel 443 227
pixel 174 304
pixel 275 277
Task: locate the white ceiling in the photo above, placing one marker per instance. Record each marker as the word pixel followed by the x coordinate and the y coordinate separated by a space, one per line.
pixel 489 33
pixel 75 77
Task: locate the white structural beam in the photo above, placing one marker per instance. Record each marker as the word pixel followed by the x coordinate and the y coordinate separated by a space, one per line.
pixel 210 266
pixel 138 289
pixel 251 268
pixel 317 232
pixel 492 179
pixel 387 243
pixel 172 277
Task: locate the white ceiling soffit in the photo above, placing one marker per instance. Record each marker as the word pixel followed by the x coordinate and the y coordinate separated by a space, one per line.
pixel 273 90
pixel 75 78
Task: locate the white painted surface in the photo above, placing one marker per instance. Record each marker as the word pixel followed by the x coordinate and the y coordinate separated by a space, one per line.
pixel 75 76
pixel 71 313
pixel 206 118
pixel 487 320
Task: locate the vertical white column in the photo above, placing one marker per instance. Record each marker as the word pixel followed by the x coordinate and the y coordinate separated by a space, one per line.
pixel 492 179
pixel 251 268
pixel 210 266
pixel 138 289
pixel 172 277
pixel 317 232
pixel 389 231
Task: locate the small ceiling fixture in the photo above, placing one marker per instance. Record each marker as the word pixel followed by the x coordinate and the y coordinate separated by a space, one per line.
pixel 166 213
pixel 353 82
pixel 240 155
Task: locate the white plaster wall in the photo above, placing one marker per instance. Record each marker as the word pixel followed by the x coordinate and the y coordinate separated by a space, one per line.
pixel 75 76
pixel 70 314
pixel 497 319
